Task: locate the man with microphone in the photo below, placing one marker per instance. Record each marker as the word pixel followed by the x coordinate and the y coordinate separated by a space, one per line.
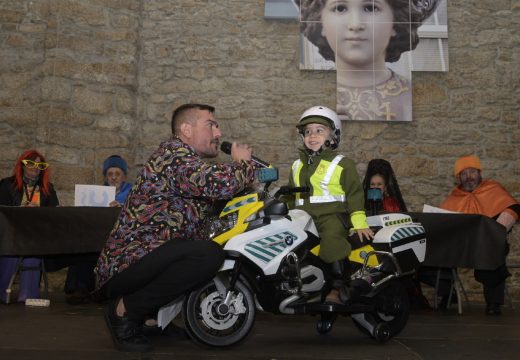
pixel 153 255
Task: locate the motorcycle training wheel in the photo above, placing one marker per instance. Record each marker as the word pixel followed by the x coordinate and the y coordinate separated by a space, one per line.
pixel 324 324
pixel 392 309
pixel 210 322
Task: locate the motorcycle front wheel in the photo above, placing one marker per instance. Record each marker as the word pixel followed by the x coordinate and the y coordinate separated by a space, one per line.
pixel 210 321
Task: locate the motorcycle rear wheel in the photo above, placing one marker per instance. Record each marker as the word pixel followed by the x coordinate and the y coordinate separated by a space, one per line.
pixel 392 307
pixel 210 322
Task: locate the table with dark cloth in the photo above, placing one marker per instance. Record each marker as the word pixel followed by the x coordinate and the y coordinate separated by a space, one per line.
pixel 463 240
pixel 54 230
pixel 453 240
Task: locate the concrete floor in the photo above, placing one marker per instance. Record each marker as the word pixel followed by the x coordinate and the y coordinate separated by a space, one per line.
pixel 64 332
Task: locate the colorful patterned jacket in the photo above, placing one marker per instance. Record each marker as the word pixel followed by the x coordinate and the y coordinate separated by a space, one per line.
pixel 169 201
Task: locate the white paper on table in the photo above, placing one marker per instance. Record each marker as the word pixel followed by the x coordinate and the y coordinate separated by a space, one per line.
pixel 168 312
pixel 94 195
pixel 433 209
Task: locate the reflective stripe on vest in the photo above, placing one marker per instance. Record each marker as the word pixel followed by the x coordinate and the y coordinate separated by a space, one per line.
pixel 321 184
pixel 296 168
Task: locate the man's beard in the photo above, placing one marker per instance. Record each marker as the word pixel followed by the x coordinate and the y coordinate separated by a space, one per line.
pixel 471 184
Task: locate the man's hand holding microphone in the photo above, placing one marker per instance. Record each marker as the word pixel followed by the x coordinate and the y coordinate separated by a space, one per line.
pixel 241 152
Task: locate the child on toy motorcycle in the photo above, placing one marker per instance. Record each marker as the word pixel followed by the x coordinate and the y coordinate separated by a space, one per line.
pixel 335 189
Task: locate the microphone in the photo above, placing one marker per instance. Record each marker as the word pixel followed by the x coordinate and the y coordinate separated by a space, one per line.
pixel 226 148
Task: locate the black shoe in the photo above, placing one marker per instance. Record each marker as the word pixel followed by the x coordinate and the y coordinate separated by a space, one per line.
pixel 171 330
pixel 346 295
pixel 443 304
pixel 78 297
pixel 493 309
pixel 126 334
pixel 151 330
pixel 354 290
pixel 98 297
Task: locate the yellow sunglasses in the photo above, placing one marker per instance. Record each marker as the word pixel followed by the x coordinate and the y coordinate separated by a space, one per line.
pixel 35 165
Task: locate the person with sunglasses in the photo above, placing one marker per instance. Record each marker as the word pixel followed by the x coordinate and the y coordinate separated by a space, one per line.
pixel 28 186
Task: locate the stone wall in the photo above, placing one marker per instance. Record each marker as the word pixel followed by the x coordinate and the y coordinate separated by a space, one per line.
pixel 69 75
pixel 84 79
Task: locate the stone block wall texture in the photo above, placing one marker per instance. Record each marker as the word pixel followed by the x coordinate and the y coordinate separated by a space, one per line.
pixel 84 79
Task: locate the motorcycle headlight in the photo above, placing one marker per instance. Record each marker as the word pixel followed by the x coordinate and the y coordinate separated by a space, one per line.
pixel 223 224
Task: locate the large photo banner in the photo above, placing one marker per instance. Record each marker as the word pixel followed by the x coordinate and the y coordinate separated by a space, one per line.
pixel 374 45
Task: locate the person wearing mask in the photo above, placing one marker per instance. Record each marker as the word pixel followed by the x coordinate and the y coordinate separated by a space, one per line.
pixel 380 175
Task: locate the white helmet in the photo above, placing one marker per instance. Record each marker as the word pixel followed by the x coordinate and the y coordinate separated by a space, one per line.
pixel 323 115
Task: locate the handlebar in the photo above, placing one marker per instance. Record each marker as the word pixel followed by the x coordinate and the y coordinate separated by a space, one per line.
pixel 286 190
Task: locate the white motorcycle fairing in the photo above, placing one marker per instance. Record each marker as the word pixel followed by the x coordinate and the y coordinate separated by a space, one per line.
pixel 268 245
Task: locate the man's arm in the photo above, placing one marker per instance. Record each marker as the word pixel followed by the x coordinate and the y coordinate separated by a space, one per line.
pixel 194 177
pixel 509 216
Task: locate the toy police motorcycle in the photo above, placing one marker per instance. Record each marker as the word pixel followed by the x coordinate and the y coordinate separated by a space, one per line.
pixel 272 265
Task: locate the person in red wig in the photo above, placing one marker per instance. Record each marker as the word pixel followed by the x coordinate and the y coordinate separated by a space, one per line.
pixel 28 186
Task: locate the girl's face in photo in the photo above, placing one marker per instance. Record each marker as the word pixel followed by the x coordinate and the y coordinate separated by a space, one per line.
pixel 377 182
pixel 358 31
pixel 315 135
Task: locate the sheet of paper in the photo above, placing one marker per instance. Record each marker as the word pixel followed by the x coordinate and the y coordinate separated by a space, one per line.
pixel 94 195
pixel 433 209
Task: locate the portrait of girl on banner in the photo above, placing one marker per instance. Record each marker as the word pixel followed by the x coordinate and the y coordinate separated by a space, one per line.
pixel 362 37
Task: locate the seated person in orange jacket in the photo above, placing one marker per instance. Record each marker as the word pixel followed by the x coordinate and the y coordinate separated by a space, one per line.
pixel 487 197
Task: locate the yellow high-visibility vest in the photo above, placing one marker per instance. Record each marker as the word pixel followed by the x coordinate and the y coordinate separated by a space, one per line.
pixel 325 181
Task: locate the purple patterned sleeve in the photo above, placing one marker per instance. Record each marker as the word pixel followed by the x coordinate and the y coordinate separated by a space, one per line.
pixel 196 178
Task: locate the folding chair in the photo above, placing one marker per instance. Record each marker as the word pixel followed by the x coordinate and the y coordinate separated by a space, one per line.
pixel 455 286
pixel 507 294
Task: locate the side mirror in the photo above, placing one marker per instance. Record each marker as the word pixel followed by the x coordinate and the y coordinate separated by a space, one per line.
pixel 267 175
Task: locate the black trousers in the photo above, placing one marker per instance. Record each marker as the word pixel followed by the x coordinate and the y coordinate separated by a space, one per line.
pixel 80 275
pixel 164 274
pixel 493 281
